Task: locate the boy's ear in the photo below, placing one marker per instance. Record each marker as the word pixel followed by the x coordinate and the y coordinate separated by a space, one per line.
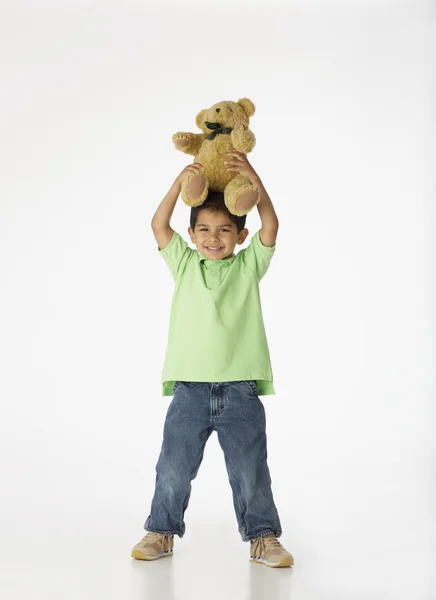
pixel 191 234
pixel 242 236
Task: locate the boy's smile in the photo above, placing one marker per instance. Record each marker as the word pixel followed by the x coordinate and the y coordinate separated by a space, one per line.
pixel 215 235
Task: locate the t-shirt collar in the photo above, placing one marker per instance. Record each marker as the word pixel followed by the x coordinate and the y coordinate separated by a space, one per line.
pixel 201 258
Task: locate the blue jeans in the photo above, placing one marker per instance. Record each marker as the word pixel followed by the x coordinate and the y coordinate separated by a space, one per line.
pixel 234 410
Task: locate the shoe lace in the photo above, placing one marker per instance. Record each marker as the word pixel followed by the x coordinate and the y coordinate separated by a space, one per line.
pixel 153 535
pixel 271 542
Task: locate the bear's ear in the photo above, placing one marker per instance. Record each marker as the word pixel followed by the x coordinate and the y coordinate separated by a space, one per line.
pixel 199 118
pixel 247 105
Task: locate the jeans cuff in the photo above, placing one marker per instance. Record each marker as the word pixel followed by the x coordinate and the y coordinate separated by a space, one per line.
pixel 248 538
pixel 174 532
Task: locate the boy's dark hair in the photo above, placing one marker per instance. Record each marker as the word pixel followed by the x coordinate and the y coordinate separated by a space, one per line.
pixel 215 203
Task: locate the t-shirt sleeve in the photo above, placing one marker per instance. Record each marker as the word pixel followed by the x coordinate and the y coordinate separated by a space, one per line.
pixel 257 257
pixel 176 254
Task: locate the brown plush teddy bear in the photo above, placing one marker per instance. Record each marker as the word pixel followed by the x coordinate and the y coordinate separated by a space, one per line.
pixel 224 126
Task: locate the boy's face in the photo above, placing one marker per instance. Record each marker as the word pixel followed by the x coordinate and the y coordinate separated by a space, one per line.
pixel 216 230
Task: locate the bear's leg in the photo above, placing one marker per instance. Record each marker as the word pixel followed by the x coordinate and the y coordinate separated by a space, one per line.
pixel 241 196
pixel 247 200
pixel 194 190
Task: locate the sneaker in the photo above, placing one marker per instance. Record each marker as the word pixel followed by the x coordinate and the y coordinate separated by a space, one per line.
pixel 153 545
pixel 268 551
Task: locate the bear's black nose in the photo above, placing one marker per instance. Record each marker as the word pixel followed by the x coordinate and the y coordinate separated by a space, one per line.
pixel 218 109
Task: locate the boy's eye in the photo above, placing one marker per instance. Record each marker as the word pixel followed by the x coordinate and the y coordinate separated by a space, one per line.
pixel 204 229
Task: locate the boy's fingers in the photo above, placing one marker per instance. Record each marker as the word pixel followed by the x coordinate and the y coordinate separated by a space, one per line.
pixel 237 155
pixel 194 169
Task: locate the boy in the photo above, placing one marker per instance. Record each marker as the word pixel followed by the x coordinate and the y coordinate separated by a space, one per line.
pixel 217 364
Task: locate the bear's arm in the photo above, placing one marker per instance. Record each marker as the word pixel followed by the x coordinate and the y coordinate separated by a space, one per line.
pixel 244 140
pixel 195 139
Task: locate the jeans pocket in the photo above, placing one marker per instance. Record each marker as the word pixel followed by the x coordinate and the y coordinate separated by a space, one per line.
pixel 252 385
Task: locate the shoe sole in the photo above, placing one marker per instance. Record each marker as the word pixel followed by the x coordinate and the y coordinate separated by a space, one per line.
pixel 141 556
pixel 285 562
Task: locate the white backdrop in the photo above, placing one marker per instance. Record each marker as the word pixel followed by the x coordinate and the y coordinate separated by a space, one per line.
pixel 91 93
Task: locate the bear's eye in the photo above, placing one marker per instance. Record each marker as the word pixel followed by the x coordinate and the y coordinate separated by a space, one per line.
pixel 218 109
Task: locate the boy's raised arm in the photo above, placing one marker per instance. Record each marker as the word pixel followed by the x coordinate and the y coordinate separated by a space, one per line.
pixel 267 214
pixel 160 222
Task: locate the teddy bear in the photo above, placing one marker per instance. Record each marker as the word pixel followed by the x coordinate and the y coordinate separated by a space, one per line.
pixel 224 126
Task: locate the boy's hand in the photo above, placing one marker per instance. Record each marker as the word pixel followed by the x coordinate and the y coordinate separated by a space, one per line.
pixel 238 161
pixel 194 167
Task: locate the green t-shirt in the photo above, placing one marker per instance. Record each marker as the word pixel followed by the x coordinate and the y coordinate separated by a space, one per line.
pixel 216 331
